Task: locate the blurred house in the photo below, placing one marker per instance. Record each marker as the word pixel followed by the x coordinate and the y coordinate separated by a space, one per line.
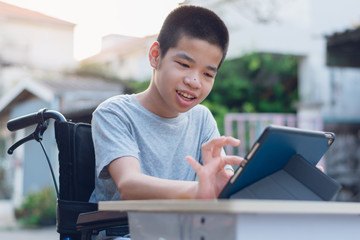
pixel 32 41
pixel 73 97
pixel 343 64
pixel 343 61
pixel 124 57
pixel 36 56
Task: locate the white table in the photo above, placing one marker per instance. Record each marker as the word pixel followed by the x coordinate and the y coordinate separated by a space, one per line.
pixel 239 219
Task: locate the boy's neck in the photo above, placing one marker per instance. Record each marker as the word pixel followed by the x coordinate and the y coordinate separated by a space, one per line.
pixel 150 102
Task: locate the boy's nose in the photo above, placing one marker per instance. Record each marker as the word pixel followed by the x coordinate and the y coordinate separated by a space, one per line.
pixel 193 82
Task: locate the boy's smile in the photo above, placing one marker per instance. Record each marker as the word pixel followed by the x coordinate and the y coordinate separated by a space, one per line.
pixel 182 78
pixel 185 99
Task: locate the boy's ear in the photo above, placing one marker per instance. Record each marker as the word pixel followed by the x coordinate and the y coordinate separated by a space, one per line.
pixel 154 54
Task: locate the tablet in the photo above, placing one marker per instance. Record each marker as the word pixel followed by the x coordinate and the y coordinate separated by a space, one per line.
pixel 274 150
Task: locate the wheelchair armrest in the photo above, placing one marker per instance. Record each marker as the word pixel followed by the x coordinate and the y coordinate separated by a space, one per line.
pixel 68 212
pixel 92 222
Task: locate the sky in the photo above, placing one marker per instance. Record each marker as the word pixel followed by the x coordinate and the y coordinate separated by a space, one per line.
pixel 96 18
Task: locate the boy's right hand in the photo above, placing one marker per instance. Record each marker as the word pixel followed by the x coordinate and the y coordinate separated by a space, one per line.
pixel 212 174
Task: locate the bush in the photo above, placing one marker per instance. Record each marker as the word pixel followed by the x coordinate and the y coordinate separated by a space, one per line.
pixel 38 209
pixel 257 82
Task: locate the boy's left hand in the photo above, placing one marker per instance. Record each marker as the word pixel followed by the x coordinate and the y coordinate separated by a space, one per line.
pixel 212 174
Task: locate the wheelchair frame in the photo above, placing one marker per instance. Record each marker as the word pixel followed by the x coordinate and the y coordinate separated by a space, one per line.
pixel 76 218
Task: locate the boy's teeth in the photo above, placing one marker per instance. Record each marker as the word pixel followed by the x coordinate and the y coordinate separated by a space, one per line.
pixel 185 95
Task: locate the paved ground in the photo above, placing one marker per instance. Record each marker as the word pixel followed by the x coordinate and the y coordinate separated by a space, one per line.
pixel 7 218
pixel 10 230
pixel 48 233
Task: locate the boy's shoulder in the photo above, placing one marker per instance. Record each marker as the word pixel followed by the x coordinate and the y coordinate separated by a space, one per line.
pixel 201 111
pixel 128 102
pixel 201 108
pixel 116 101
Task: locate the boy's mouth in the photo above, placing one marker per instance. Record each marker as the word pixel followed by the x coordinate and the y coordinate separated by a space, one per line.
pixel 185 96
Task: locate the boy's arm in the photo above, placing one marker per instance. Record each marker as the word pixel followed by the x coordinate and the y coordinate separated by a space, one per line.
pixel 133 185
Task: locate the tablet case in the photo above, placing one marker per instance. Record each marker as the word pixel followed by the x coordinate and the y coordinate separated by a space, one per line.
pixel 282 165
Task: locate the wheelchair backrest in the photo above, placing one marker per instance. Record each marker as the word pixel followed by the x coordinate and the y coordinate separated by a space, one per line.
pixel 76 161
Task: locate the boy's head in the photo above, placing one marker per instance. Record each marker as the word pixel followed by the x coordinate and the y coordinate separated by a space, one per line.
pixel 193 22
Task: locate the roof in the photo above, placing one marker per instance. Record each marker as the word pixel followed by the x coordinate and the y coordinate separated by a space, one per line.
pixel 348 35
pixel 75 83
pixel 343 48
pixel 11 11
pixel 74 94
pixel 124 47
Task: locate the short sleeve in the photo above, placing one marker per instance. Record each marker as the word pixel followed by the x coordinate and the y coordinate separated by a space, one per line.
pixel 113 138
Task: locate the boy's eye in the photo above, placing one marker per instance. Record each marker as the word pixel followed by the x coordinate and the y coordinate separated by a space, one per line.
pixel 209 75
pixel 183 64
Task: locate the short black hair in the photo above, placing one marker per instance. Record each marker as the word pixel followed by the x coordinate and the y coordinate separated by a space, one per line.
pixel 195 22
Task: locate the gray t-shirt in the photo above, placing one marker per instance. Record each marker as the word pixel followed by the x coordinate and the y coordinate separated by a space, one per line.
pixel 122 127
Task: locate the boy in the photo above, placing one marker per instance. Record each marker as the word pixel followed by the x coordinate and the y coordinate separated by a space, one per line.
pixel 152 145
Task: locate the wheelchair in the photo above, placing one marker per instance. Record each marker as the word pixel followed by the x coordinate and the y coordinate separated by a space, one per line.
pixel 76 218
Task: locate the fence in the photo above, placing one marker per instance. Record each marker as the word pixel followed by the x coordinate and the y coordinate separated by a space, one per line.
pixel 248 127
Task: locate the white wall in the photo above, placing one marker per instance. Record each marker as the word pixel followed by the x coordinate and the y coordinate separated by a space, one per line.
pixel 337 89
pixel 46 46
pixel 127 59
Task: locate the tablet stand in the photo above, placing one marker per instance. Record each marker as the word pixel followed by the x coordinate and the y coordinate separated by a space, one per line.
pixel 297 180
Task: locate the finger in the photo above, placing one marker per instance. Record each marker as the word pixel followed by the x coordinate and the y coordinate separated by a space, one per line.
pixel 213 147
pixel 216 150
pixel 232 160
pixel 225 141
pixel 193 163
pixel 232 141
pixel 207 148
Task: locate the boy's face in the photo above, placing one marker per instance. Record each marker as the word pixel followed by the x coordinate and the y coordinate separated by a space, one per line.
pixel 183 77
